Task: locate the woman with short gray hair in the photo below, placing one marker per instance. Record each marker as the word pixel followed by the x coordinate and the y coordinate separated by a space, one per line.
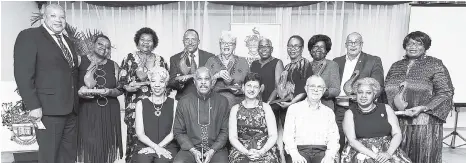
pixel 371 128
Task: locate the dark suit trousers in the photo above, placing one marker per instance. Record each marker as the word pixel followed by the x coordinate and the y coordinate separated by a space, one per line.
pixel 339 116
pixel 183 156
pixel 312 153
pixel 57 143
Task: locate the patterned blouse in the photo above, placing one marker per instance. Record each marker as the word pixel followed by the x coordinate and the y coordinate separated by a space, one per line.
pixel 253 134
pixel 428 84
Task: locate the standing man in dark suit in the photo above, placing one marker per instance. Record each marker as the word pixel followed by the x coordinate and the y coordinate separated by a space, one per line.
pixel 45 70
pixel 184 64
pixel 367 65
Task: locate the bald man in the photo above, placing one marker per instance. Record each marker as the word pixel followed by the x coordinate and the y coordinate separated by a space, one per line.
pixel 311 133
pixel 201 123
pixel 45 70
pixel 367 65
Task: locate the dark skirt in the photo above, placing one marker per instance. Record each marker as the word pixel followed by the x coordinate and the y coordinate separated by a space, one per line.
pixel 423 143
pixel 351 155
pixel 99 132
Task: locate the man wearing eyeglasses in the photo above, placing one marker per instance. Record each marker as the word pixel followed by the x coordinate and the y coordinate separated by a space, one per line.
pixel 311 133
pixel 184 64
pixel 367 65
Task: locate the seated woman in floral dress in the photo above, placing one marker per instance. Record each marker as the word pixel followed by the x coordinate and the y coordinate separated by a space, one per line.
pixel 371 128
pixel 252 127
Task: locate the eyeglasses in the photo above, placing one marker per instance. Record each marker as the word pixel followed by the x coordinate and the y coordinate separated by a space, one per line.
pixel 357 43
pixel 314 87
pixel 318 47
pixel 228 43
pixel 188 40
pixel 294 46
pixel 416 44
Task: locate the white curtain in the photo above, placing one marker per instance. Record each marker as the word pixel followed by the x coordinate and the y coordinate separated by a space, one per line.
pixel 383 27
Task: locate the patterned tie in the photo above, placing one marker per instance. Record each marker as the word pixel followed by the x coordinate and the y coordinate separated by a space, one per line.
pixel 193 64
pixel 65 50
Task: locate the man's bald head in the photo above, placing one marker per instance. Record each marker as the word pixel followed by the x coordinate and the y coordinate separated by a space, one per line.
pixel 315 88
pixel 54 18
pixel 354 44
pixel 203 80
pixel 354 36
pixel 53 7
pixel 314 79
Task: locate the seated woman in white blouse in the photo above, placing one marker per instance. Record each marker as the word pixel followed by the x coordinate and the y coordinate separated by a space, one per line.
pixel 311 133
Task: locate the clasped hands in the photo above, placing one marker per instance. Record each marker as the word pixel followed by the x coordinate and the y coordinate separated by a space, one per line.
pixel 412 112
pixel 254 154
pixel 224 74
pixel 198 155
pixel 160 151
pixel 383 157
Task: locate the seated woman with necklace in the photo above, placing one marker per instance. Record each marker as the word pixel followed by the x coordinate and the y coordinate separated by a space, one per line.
pixel 154 122
pixel 252 127
pixel 371 128
pixel 133 79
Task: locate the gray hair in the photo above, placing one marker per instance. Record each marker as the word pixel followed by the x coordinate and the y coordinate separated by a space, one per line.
pixel 158 72
pixel 227 36
pixel 374 84
pixel 203 69
pixel 308 81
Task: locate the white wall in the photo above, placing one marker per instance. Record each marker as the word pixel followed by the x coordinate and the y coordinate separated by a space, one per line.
pixel 445 26
pixel 15 17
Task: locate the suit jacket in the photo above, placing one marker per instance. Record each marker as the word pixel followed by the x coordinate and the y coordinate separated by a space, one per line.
pixel 184 88
pixel 368 66
pixel 42 74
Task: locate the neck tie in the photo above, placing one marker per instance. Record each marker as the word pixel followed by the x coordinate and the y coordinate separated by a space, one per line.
pixel 65 51
pixel 193 63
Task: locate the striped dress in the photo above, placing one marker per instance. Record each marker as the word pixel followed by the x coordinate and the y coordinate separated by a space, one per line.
pixel 428 84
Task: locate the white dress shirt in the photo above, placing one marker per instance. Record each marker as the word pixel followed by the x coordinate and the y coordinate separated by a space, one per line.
pixel 311 126
pixel 56 40
pixel 347 72
pixel 196 57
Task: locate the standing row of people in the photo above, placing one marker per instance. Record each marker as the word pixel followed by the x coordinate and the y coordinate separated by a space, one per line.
pixel 345 93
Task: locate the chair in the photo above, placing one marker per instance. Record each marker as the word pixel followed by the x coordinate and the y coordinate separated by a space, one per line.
pixel 454 133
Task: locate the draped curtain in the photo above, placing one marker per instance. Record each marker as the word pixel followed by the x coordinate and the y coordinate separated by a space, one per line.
pixel 383 27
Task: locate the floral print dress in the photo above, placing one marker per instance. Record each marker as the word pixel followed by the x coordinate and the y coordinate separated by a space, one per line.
pixel 134 69
pixel 253 134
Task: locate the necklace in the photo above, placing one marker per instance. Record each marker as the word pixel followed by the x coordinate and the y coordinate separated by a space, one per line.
pixel 158 110
pixel 369 110
pixel 225 60
pixel 204 130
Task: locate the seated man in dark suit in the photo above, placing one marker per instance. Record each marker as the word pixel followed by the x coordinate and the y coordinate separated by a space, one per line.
pixel 184 64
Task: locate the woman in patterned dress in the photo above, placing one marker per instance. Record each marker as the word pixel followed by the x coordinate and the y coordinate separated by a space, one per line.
pixel 229 69
pixel 252 127
pixel 371 128
pixel 134 82
pixel 420 88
